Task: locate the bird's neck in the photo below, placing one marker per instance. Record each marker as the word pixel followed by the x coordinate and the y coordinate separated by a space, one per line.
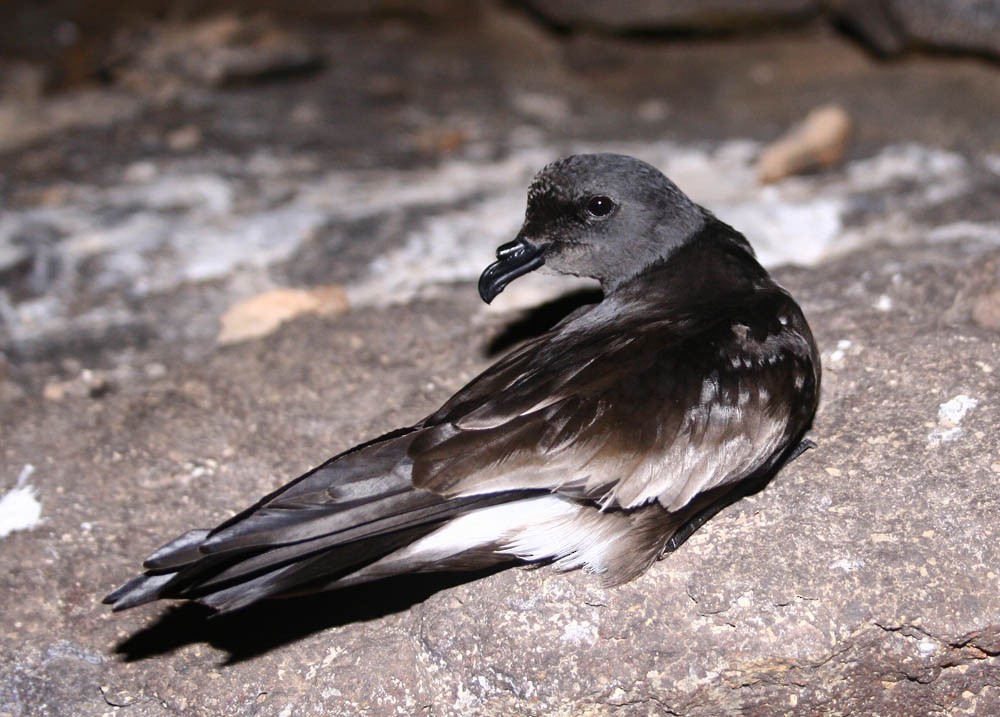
pixel 715 266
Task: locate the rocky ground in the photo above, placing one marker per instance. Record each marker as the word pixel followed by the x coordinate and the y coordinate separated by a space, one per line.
pixel 214 278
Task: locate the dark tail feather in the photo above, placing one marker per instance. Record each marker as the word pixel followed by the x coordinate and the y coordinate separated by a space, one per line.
pixel 320 571
pixel 178 552
pixel 183 569
pixel 137 591
pixel 229 583
pixel 330 527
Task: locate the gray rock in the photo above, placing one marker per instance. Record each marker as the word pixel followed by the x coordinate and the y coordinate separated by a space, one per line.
pixel 863 580
pixel 887 26
pixel 220 50
pixel 690 15
pixel 873 21
pixel 891 26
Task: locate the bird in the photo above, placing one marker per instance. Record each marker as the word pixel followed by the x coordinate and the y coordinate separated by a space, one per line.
pixel 601 444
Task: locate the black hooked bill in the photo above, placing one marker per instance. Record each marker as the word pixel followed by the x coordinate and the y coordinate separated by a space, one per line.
pixel 514 259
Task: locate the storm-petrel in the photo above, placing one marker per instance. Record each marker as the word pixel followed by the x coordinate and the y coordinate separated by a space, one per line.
pixel 601 444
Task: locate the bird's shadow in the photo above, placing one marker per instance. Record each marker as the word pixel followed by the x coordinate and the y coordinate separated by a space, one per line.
pixel 264 626
pixel 539 319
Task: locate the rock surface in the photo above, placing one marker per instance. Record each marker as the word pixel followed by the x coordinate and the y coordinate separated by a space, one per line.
pixel 864 580
pixel 887 26
pixel 891 26
pixel 690 15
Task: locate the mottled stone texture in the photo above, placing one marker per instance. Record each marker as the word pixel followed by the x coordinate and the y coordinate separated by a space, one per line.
pixel 890 26
pixel 864 580
pixel 887 26
pixel 692 15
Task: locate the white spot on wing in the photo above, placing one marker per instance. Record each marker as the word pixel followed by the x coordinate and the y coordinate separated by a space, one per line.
pixel 19 508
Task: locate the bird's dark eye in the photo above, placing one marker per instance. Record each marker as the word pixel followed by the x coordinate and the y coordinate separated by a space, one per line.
pixel 600 206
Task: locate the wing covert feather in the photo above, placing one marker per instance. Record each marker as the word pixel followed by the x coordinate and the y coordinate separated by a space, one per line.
pixel 656 412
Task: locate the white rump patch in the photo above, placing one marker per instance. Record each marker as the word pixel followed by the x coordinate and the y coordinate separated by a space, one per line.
pixel 544 528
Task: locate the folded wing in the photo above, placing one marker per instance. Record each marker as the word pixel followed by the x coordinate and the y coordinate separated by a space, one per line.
pixel 589 447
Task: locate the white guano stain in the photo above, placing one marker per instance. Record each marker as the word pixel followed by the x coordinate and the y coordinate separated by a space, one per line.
pixel 950 416
pixel 19 507
pixel 840 352
pixel 847 565
pixel 579 633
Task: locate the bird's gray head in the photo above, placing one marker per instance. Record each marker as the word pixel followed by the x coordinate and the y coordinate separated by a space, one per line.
pixel 605 216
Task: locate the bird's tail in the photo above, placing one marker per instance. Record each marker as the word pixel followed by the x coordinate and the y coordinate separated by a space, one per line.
pixel 354 519
pixel 359 518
